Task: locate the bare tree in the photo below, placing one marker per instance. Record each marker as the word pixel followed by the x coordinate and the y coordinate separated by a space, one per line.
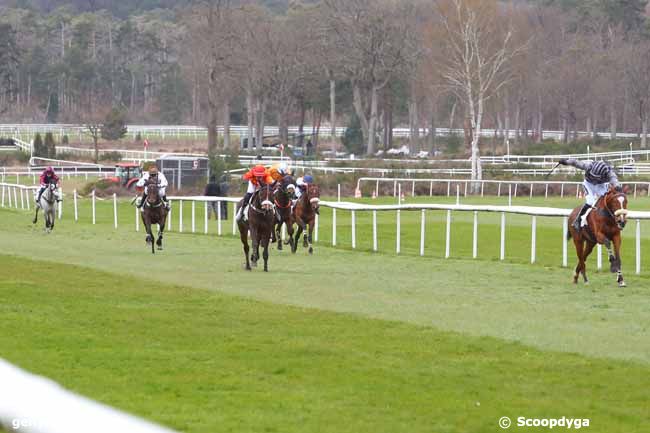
pixel 375 38
pixel 478 48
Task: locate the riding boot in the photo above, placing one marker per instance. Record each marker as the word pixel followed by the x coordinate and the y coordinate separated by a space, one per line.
pixel 164 199
pixel 142 199
pixel 245 201
pixel 577 223
pixel 38 199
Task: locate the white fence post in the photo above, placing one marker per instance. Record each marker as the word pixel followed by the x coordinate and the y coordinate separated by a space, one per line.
pixel 533 243
pixel 422 224
pixel 458 193
pixel 475 236
pixel 60 203
pixel 219 218
pixel 22 199
pixel 137 219
pixel 502 254
pixel 599 257
pixel 333 227
pixel 15 198
pixel 76 208
pixel 509 194
pixel 315 228
pixel 93 206
pixel 354 230
pixel 448 234
pixel 205 217
pixel 531 191
pixel 565 229
pixel 234 223
pixel 638 247
pixel 115 210
pixel 374 230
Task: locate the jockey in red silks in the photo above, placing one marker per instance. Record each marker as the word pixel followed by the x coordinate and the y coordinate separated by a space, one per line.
pixel 47 177
pixel 256 177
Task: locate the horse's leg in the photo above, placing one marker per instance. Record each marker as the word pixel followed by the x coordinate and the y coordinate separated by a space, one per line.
pixel 161 229
pixel 255 247
pixel 243 235
pixel 611 257
pixel 311 231
pixel 289 224
pixel 277 230
pixel 36 216
pixel 579 243
pixel 616 239
pixel 265 253
pixel 296 239
pixel 590 246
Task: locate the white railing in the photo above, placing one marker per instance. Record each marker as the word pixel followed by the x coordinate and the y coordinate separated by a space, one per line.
pixel 177 202
pixel 513 186
pixel 34 404
pixel 242 130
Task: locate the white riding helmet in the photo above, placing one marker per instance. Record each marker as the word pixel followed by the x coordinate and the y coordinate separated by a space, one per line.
pixel 300 181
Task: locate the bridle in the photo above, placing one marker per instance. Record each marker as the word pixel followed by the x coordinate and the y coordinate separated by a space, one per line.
pixel 266 204
pixel 50 193
pixel 282 190
pixel 607 212
pixel 158 202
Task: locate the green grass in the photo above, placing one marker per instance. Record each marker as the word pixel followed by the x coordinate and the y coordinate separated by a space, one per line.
pixel 339 341
pixel 201 361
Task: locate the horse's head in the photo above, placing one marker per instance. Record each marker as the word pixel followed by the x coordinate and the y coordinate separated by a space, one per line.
pixel 313 195
pixel 153 197
pixel 264 197
pixel 616 202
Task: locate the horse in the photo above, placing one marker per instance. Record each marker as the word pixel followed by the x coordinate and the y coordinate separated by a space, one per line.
pixel 304 214
pixel 48 203
pixel 154 211
pixel 605 223
pixel 282 200
pixel 261 217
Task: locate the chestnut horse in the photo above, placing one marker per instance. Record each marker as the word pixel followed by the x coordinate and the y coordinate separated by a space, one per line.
pixel 605 223
pixel 154 212
pixel 261 217
pixel 304 214
pixel 282 199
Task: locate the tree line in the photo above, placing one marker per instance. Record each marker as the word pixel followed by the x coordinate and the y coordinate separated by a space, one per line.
pixel 531 65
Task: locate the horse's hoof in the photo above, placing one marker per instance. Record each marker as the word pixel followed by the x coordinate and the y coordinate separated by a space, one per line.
pixel 622 284
pixel 160 248
pixel 311 250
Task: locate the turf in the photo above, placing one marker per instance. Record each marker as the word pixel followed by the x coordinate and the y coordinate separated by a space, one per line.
pixel 201 361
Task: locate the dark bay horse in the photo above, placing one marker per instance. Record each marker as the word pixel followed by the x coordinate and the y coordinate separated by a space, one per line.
pixel 605 223
pixel 261 218
pixel 154 212
pixel 282 200
pixel 304 214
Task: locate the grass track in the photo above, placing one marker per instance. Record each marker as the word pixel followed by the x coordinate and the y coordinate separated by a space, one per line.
pixel 201 361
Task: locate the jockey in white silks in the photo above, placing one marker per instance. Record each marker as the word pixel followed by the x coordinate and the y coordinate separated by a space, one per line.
pixel 598 177
pixel 160 179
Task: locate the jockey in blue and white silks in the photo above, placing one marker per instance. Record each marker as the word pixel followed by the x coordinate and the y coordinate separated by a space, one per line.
pixel 599 175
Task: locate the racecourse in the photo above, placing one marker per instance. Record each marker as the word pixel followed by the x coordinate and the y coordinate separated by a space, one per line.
pixel 340 341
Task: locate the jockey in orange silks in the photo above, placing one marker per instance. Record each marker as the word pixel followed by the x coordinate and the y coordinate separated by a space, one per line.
pixel 256 177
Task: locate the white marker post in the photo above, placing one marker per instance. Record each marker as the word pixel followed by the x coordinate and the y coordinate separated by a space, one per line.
pixel 475 236
pixel 93 206
pixel 422 224
pixel 502 253
pixel 533 242
pixel 76 208
pixel 115 210
pixel 448 234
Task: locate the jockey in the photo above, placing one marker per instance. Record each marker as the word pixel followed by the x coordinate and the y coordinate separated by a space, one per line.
pixel 279 172
pixel 159 178
pixel 302 183
pixel 256 177
pixel 47 177
pixel 599 175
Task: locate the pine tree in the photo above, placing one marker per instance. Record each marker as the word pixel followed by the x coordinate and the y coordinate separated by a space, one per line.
pixel 39 147
pixel 114 126
pixel 50 145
